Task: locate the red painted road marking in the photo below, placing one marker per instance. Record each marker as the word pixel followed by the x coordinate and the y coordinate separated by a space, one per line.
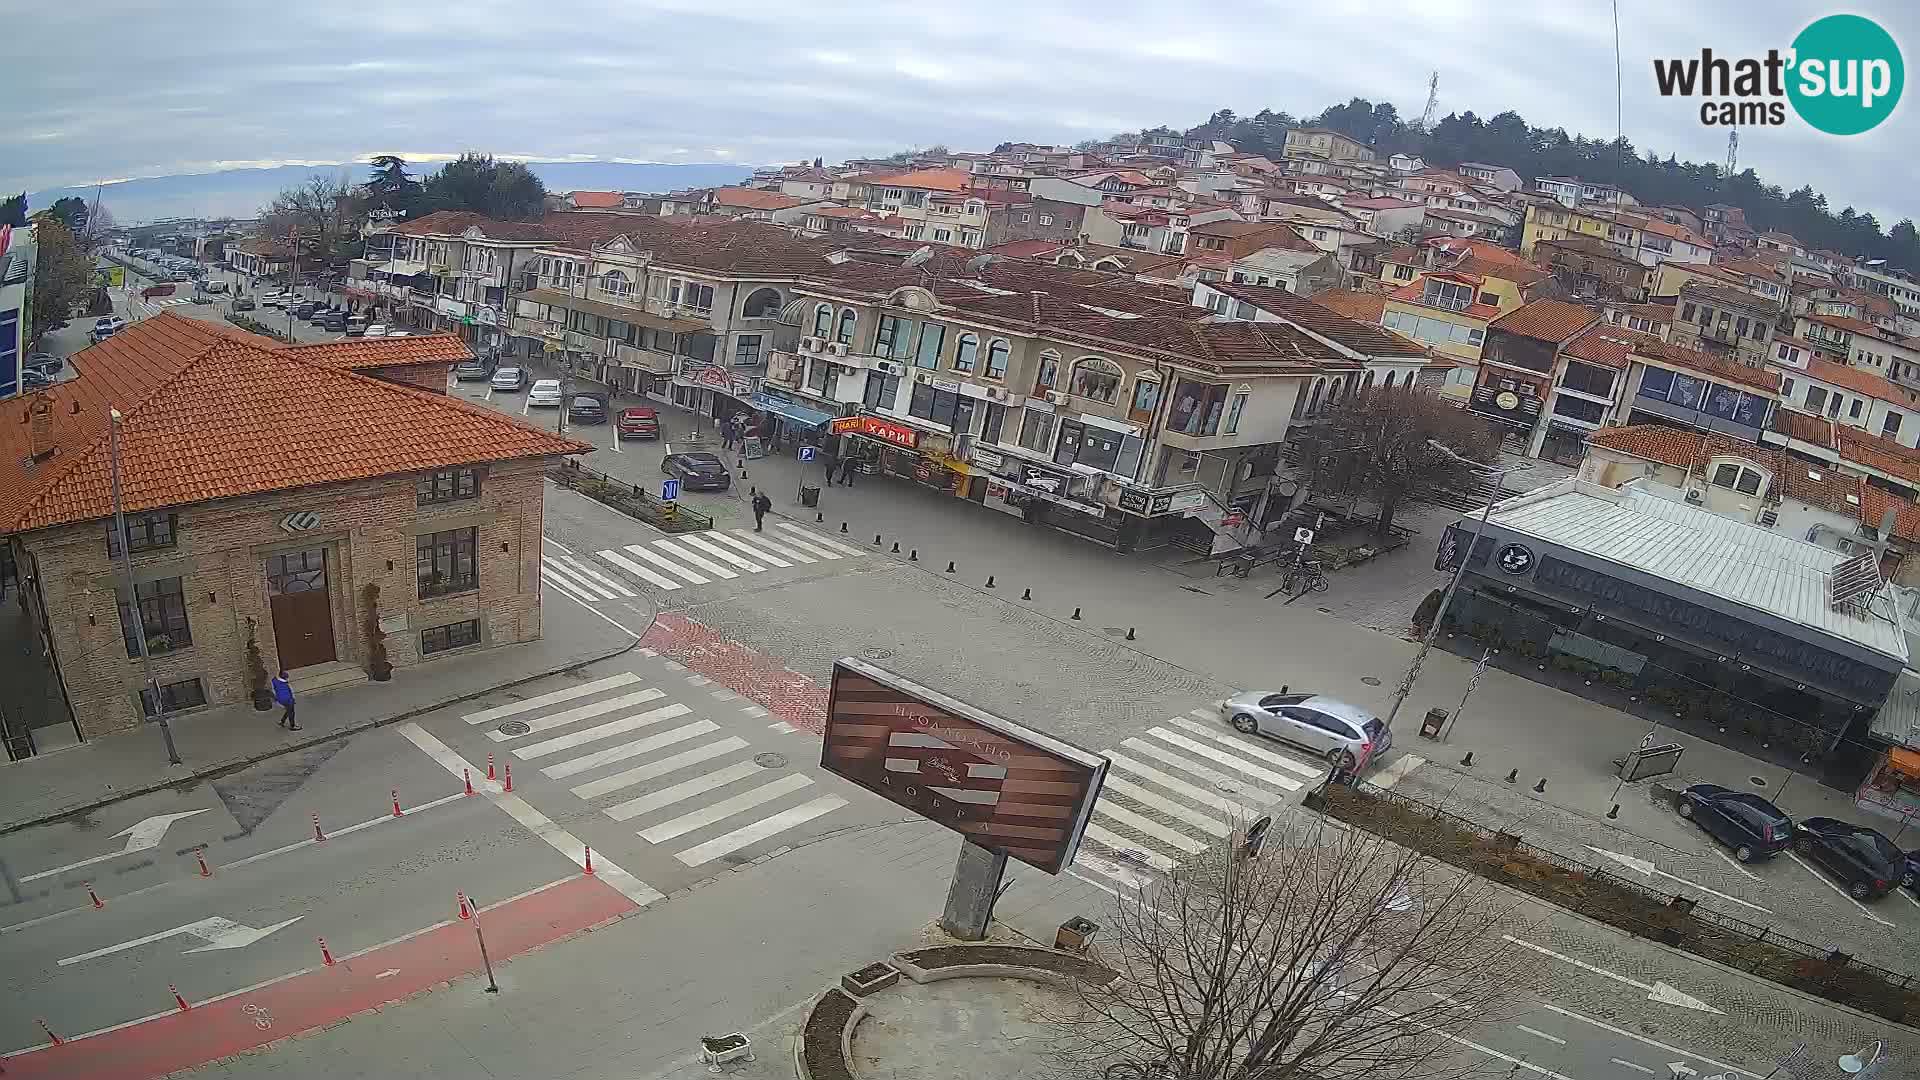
pixel 214 1030
pixel 760 678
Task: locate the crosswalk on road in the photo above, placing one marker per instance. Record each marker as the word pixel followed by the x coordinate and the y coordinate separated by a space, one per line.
pixel 1176 790
pixel 689 559
pixel 682 780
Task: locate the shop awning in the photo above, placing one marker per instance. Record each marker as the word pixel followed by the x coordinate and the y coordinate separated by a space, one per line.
pixel 791 410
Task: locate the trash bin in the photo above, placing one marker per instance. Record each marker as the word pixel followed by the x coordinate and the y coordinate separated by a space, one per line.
pixel 1076 934
pixel 1430 725
pixel 809 496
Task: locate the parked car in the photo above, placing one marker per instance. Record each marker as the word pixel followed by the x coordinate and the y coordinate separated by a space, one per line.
pixel 1910 871
pixel 106 326
pixel 698 471
pixel 510 378
pixel 305 308
pixel 1345 735
pixel 335 321
pixel 243 303
pixel 638 422
pixel 46 362
pixel 154 291
pixel 545 392
pixel 375 330
pixel 587 409
pixel 34 380
pixel 357 326
pixel 1753 827
pixel 474 370
pixel 397 333
pixel 1866 862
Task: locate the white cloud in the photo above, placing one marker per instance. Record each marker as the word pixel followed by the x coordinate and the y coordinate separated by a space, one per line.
pixel 756 81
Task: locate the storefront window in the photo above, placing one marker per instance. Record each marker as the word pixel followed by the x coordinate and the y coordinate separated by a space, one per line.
pixel 1096 379
pixel 817 376
pixel 882 389
pixel 892 337
pixel 1036 431
pixel 1146 395
pixel 933 337
pixel 1234 408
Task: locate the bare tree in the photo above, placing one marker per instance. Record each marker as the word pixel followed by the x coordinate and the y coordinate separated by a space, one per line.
pixel 100 222
pixel 1377 444
pixel 1330 955
pixel 324 212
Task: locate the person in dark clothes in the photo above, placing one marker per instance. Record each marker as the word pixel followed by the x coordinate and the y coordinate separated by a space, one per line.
pixel 283 693
pixel 761 504
pixel 827 463
pixel 847 467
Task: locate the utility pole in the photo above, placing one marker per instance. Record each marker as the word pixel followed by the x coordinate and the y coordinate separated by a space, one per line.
pixel 1459 570
pixel 133 599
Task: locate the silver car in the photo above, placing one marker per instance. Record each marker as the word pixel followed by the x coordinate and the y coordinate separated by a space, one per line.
pixel 509 378
pixel 1342 734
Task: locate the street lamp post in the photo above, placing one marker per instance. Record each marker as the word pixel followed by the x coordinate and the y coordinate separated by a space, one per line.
pixel 133 599
pixel 1459 570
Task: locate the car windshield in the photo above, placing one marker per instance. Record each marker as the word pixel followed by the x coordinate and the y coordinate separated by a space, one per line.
pixel 701 460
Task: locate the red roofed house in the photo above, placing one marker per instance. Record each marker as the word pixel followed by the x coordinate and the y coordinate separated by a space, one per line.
pixel 595 200
pixel 1681 387
pixel 276 499
pixel 1520 364
pixel 939 206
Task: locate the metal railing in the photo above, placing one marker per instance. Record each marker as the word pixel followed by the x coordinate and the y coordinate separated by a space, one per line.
pixel 629 499
pixel 1670 918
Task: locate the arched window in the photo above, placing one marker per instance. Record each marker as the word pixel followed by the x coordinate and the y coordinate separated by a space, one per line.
pixel 762 304
pixel 822 321
pixel 1367 383
pixel 1299 405
pixel 1390 377
pixel 1313 403
pixel 615 282
pixel 847 317
pixel 965 352
pixel 1096 378
pixel 997 359
pixel 1046 374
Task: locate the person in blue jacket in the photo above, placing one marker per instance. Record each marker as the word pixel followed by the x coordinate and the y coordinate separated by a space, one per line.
pixel 283 693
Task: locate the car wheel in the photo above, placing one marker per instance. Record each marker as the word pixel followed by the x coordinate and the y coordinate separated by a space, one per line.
pixel 1743 853
pixel 1686 809
pixel 1858 890
pixel 1340 757
pixel 1244 724
pixel 1910 879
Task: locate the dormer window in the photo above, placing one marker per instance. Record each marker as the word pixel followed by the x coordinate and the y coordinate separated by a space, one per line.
pixel 1738 477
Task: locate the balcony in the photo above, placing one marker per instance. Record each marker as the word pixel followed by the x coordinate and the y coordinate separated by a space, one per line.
pixel 665 310
pixel 627 298
pixel 652 360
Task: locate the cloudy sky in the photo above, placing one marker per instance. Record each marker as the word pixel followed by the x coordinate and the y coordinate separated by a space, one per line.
pixel 104 89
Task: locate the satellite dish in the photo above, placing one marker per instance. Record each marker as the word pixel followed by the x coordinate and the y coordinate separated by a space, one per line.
pixel 981 262
pixel 923 255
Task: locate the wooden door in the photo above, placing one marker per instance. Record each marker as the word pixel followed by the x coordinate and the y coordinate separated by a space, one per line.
pixel 302 608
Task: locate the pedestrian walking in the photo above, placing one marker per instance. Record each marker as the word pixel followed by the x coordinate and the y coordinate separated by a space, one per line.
pixel 761 504
pixel 847 468
pixel 283 693
pixel 726 434
pixel 827 463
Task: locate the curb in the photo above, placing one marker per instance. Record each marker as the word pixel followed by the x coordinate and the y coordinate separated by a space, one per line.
pixel 232 764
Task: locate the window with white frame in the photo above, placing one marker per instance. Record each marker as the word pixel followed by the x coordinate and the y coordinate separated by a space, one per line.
pixel 966 353
pixel 1046 219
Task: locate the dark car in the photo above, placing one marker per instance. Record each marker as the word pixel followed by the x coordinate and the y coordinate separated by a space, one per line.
pixel 698 472
pixel 34 379
pixel 333 321
pixel 639 422
pixel 243 303
pixel 1910 871
pixel 304 308
pixel 1753 827
pixel 46 363
pixel 472 371
pixel 586 409
pixel 1865 862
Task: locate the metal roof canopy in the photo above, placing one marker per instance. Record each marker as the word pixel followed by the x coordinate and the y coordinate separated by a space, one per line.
pixel 1780 579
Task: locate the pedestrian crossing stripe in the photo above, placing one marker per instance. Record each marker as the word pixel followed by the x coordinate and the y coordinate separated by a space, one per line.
pixel 718 552
pixel 700 561
pixel 501 712
pixel 667 565
pixel 1311 772
pixel 726 808
pixel 583 712
pixel 794 553
pixel 638 571
pixel 760 830
pixel 763 556
pixel 596 734
pixel 815 540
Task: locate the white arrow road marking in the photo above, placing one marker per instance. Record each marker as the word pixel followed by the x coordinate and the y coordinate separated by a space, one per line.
pixel 218 933
pixel 391 972
pixel 1680 1068
pixel 140 837
pixel 1656 991
pixel 1646 868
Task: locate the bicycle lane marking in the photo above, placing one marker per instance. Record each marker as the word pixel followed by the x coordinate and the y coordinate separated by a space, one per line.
pixel 242 1020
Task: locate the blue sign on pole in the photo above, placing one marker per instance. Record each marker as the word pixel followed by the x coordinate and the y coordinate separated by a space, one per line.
pixel 806 453
pixel 669 489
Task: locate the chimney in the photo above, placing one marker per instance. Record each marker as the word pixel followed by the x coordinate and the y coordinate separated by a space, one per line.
pixel 40 427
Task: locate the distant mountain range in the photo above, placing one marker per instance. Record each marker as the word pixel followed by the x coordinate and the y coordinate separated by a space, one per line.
pixel 242 192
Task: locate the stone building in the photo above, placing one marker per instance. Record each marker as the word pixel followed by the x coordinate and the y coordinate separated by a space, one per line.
pixel 274 496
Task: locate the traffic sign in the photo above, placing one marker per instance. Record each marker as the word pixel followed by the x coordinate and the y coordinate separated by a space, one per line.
pixel 669 489
pixel 1303 535
pixel 806 453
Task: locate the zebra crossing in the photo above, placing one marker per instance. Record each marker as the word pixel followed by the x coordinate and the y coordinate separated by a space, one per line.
pixel 1179 788
pixel 687 560
pixel 683 781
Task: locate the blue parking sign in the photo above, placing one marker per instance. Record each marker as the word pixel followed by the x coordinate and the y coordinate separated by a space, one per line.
pixel 669 489
pixel 806 453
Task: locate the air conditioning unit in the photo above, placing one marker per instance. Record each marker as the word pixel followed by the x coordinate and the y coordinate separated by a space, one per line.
pixel 1695 495
pixel 1056 397
pixel 890 367
pixel 839 348
pixel 809 344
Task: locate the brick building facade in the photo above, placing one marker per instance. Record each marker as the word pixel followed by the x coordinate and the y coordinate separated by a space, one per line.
pixel 266 490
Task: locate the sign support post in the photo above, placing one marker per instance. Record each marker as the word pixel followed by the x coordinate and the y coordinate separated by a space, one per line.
pixel 976 885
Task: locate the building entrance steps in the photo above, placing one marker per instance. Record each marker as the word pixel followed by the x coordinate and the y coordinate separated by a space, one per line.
pixel 316 678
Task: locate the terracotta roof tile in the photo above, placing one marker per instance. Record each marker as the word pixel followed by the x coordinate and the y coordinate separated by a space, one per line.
pixel 1860 381
pixel 754 199
pixel 1310 315
pixel 354 354
pixel 933 179
pixel 214 415
pixel 597 200
pixel 1546 320
pixel 1669 446
pixel 1694 290
pixel 1805 427
pixel 1353 303
pixel 1875 452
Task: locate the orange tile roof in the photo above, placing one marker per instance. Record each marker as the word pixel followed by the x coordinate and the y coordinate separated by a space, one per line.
pixel 1546 320
pixel 1805 427
pixel 210 415
pixel 1353 303
pixel 1874 504
pixel 597 200
pixel 1860 381
pixel 1843 322
pixel 1654 442
pixel 931 179
pixel 754 199
pixel 1887 456
pixel 355 354
pixel 1607 345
